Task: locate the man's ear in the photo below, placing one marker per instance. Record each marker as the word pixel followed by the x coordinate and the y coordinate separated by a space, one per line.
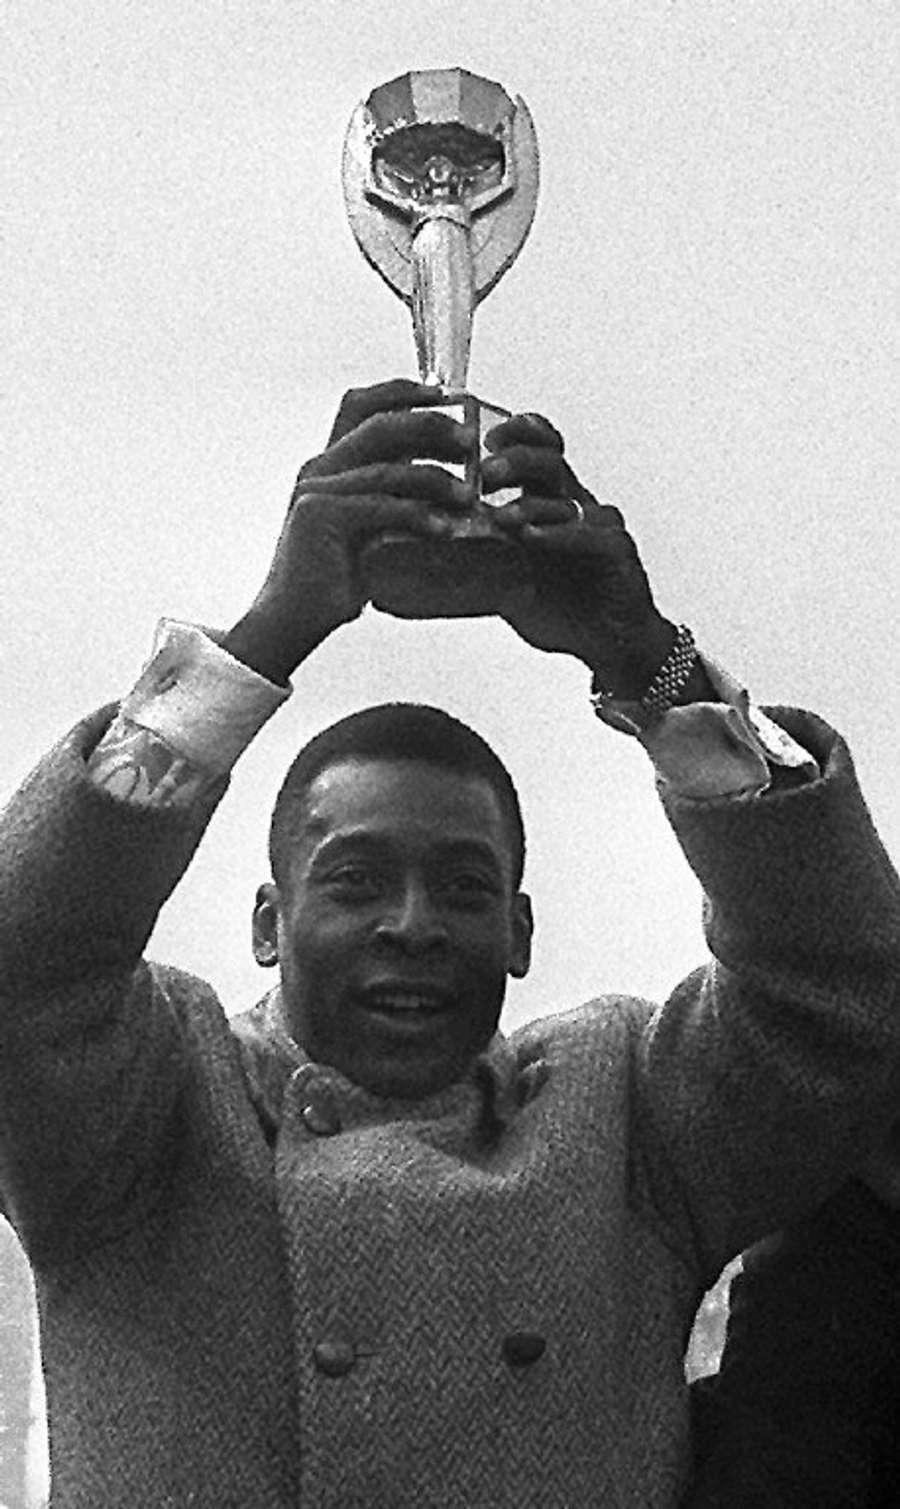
pixel 522 931
pixel 265 925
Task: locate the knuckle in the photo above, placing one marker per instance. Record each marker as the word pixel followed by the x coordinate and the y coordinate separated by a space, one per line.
pixel 298 493
pixel 537 462
pixel 348 414
pixel 376 477
pixel 353 400
pixel 436 421
pixel 429 476
pixel 428 481
pixel 547 469
pixel 314 467
pixel 409 433
pixel 377 428
pixel 549 434
pixel 304 502
pixel 435 431
pixel 518 460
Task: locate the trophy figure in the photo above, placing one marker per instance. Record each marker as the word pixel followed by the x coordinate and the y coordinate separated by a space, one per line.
pixel 440 176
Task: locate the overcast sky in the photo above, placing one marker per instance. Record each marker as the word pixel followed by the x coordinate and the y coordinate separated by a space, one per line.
pixel 706 307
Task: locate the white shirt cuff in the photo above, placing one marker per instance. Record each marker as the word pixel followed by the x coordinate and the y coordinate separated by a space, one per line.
pixel 198 699
pixel 727 748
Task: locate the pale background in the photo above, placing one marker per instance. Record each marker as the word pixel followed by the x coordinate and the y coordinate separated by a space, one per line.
pixel 706 307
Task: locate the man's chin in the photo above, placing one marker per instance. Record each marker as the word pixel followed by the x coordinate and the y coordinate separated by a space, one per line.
pixel 405 1054
pixel 409 1065
pixel 409 1081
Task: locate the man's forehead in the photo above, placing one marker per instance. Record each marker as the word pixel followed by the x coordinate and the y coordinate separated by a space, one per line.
pixel 400 792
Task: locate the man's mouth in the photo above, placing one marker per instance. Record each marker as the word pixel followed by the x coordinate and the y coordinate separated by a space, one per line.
pixel 407 1001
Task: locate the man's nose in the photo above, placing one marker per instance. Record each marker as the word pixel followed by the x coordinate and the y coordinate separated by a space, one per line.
pixel 413 921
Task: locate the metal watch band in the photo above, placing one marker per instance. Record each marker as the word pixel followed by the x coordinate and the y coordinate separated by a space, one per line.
pixel 662 693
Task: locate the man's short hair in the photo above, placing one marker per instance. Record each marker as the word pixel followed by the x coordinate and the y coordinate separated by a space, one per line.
pixel 393 731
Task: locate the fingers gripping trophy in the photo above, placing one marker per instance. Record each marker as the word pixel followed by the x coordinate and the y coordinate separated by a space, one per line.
pixel 440 176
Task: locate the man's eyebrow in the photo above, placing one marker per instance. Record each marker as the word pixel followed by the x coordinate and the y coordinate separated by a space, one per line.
pixel 470 851
pixel 353 838
pixel 363 839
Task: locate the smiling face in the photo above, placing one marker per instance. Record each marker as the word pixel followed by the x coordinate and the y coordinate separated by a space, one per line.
pixel 398 924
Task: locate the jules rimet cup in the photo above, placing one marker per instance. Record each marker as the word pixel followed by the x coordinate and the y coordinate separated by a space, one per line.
pixel 440 176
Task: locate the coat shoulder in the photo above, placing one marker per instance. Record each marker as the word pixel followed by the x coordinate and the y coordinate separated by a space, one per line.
pixel 600 1022
pixel 587 1045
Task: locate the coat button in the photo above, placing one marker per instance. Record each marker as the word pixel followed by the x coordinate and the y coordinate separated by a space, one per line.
pixel 521 1348
pixel 320 1116
pixel 334 1356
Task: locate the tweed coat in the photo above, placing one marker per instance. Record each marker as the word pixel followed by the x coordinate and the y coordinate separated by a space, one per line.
pixel 261 1287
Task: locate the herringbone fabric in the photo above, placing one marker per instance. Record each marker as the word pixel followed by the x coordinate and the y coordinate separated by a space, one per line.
pixel 436 1252
pixel 263 1288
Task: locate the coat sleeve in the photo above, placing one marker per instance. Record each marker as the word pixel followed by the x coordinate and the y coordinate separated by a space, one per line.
pixel 769 1074
pixel 90 1047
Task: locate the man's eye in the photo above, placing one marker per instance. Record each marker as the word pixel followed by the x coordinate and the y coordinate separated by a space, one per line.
pixel 353 879
pixel 471 884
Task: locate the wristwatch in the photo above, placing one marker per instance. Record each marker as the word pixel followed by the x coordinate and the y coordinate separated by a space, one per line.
pixel 636 717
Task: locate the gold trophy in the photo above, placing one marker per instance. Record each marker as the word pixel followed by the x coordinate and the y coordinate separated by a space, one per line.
pixel 440 176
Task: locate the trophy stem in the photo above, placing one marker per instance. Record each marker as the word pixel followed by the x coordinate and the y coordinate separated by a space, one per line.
pixel 443 300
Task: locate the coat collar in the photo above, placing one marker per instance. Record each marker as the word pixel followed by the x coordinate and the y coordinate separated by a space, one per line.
pixel 272 1060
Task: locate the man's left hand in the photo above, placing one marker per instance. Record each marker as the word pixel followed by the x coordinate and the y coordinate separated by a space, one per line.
pixel 590 596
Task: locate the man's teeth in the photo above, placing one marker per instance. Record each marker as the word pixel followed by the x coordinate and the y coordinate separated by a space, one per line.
pixel 405 1000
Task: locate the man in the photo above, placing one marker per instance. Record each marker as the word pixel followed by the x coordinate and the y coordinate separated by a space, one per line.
pixel 805 1410
pixel 356 1248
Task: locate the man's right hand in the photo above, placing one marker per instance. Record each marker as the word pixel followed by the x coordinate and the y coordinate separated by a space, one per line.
pixel 369 479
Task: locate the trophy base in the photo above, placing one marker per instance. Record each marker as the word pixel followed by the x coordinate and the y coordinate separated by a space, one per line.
pixel 464 576
pixel 475 570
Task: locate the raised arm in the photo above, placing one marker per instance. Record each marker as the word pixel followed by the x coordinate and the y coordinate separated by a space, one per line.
pixel 98 836
pixel 772 1071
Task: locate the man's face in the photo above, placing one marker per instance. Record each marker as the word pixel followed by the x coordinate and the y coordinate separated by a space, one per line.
pixel 399 924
